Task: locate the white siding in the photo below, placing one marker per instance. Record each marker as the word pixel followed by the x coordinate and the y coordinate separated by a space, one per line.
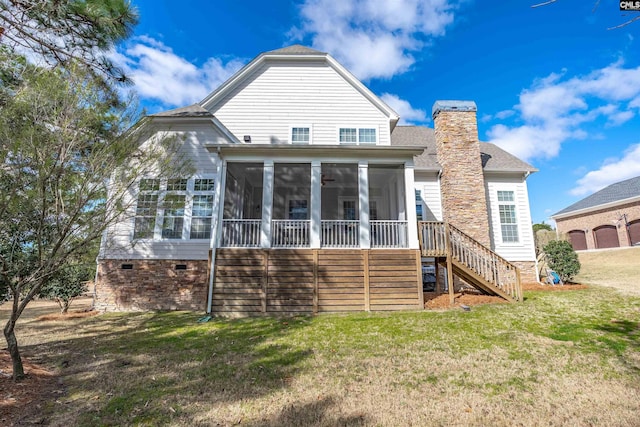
pixel 524 249
pixel 279 95
pixel 117 241
pixel 429 187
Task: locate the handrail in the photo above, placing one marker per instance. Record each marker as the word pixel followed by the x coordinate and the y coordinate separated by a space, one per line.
pixel 485 264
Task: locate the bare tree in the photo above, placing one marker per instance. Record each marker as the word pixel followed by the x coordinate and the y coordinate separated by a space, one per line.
pixel 595 7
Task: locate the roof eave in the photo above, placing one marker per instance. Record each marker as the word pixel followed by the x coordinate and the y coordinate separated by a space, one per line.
pixel 312 150
pixel 563 215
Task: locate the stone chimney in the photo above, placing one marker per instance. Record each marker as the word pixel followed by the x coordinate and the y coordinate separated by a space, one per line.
pixel 464 203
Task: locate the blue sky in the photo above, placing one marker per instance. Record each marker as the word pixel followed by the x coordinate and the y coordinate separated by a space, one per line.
pixel 553 84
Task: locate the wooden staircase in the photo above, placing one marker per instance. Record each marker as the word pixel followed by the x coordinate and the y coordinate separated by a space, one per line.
pixel 470 260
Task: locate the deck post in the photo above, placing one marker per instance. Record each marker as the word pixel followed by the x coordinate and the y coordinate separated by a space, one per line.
pixel 419 268
pixel 265 279
pixel 315 281
pixel 449 251
pixel 367 296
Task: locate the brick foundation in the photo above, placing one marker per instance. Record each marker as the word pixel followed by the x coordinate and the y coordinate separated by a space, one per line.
pixel 151 285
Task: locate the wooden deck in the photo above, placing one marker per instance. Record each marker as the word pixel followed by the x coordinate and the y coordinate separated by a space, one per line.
pixel 289 281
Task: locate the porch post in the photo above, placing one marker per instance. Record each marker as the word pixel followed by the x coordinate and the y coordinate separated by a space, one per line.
pixel 216 225
pixel 267 204
pixel 363 191
pixel 316 203
pixel 410 206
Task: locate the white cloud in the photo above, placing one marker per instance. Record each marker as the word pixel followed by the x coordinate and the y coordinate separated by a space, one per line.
pixel 612 171
pixel 504 114
pixel 554 109
pixel 373 38
pixel 158 73
pixel 408 114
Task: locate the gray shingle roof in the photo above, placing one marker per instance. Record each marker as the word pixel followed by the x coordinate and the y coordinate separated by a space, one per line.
pixel 494 159
pixel 296 49
pixel 194 110
pixel 615 192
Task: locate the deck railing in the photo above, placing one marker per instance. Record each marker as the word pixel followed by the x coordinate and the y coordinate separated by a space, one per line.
pixel 241 233
pixel 441 239
pixel 340 234
pixel 433 241
pixel 389 234
pixel 290 233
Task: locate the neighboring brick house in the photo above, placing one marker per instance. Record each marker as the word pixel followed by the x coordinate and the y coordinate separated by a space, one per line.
pixel 608 218
pixel 307 197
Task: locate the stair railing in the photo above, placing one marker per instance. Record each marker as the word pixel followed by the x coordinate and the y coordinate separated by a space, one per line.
pixel 482 261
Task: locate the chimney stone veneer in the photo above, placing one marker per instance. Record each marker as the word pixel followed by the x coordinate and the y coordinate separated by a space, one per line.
pixel 464 202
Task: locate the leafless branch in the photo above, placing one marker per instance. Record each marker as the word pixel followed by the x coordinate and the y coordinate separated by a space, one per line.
pixel 624 24
pixel 543 3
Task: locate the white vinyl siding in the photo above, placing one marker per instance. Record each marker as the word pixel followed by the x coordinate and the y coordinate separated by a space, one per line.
pixel 279 95
pixel 427 188
pixel 507 202
pixel 118 242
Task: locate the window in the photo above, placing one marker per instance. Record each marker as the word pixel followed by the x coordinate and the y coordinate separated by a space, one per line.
pixel 373 210
pixel 181 206
pixel 367 136
pixel 349 210
pixel 146 209
pixel 419 215
pixel 173 220
pixel 348 135
pixel 357 135
pixel 201 217
pixel 298 209
pixel 300 135
pixel 508 220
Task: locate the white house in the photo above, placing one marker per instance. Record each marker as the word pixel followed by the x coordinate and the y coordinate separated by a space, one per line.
pixel 307 197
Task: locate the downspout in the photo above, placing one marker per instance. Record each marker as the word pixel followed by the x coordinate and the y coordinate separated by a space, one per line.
pixel 526 175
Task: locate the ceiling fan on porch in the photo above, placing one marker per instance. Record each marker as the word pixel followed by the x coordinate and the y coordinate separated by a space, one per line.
pixel 324 179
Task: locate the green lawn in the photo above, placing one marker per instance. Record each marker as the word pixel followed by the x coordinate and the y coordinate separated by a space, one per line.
pixel 559 358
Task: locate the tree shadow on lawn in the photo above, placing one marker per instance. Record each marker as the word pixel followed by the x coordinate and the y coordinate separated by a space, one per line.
pixel 163 368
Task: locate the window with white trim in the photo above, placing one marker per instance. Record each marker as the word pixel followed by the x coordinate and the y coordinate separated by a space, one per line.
pixel 146 209
pixel 300 135
pixel 183 208
pixel 508 219
pixel 202 209
pixel 357 135
pixel 367 136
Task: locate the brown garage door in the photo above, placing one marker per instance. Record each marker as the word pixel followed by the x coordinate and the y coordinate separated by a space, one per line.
pixel 634 232
pixel 578 240
pixel 606 236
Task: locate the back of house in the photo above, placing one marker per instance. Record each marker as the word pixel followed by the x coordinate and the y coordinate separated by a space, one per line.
pixel 307 196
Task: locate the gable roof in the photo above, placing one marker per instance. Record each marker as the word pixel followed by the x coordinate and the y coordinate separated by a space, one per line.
pixel 296 53
pixel 194 110
pixel 623 190
pixel 296 49
pixel 494 158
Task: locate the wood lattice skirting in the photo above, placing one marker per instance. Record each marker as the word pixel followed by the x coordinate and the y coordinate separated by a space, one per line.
pixel 261 281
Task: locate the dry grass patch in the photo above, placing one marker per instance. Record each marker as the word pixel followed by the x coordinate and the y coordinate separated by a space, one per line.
pixel 558 359
pixel 617 268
